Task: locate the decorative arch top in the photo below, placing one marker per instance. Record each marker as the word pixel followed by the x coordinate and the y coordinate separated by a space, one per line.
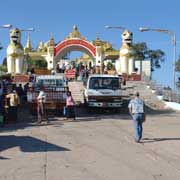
pixel 75 42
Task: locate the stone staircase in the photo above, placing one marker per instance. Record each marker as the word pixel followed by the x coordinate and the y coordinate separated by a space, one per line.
pixel 146 94
pixel 76 88
pixel 150 98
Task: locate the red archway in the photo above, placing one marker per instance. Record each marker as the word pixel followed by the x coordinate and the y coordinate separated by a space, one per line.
pixel 74 45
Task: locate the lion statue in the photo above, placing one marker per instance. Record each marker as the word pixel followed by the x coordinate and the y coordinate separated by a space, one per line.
pixel 15 53
pixel 125 64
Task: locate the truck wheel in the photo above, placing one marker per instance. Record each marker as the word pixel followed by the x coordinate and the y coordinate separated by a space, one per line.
pixel 85 103
pixel 90 110
pixel 117 110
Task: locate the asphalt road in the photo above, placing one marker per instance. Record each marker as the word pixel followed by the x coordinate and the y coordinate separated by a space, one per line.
pixel 97 146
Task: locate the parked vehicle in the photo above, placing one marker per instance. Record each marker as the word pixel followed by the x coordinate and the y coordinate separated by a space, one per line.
pixel 103 90
pixel 55 89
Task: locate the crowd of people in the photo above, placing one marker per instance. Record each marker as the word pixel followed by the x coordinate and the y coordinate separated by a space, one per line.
pixel 11 96
pixel 68 110
pixel 81 71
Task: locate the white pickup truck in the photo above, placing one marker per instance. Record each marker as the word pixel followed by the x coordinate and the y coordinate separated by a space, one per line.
pixel 103 90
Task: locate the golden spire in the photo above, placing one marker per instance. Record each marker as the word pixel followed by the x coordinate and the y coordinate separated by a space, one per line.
pixel 98 41
pixel 97 36
pixel 52 36
pixel 28 46
pixel 51 41
pixel 75 33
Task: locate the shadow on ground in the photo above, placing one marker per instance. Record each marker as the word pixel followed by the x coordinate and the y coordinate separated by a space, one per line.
pixel 151 111
pixel 28 144
pixel 3 158
pixel 28 124
pixel 151 140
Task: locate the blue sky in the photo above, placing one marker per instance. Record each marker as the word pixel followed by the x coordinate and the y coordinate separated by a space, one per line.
pixel 59 16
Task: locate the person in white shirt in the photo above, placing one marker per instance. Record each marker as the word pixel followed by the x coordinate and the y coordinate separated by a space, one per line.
pixel 137 110
pixel 41 99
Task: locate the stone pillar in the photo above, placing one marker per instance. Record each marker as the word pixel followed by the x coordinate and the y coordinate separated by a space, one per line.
pixel 98 71
pixel 19 66
pixel 10 65
pixel 131 65
pixel 50 58
pixel 124 64
pixel 99 59
pixel 118 66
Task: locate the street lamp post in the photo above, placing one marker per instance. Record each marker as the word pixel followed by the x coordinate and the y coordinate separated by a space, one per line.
pixel 8 26
pixel 173 37
pixel 29 29
pixel 115 27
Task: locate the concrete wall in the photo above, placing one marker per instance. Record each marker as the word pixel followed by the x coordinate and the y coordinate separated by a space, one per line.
pixel 146 67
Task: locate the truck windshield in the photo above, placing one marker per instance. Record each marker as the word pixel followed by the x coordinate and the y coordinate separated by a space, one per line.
pixel 104 83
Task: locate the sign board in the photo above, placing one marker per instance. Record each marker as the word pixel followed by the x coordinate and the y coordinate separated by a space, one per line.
pixel 21 79
pixel 71 73
pixel 133 77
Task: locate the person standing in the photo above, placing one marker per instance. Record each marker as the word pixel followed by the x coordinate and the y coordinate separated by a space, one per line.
pixel 14 101
pixel 41 112
pixel 70 106
pixel 63 67
pixel 1 97
pixel 1 102
pixel 137 110
pixel 20 92
pixel 26 88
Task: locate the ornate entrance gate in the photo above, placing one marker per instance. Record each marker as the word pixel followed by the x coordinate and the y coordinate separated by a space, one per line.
pixel 99 52
pixel 74 45
pixel 75 42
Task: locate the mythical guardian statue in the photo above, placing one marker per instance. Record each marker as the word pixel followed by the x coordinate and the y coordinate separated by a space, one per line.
pixel 125 64
pixel 15 53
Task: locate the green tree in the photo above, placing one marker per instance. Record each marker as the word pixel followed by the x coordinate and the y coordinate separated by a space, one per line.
pixel 110 66
pixel 3 66
pixel 177 66
pixel 40 64
pixel 5 61
pixel 1 47
pixel 156 57
pixel 142 52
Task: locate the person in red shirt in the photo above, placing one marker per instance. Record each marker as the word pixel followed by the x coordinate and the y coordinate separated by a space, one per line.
pixel 70 103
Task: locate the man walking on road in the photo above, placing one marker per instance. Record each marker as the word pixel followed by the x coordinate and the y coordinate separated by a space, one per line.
pixel 136 109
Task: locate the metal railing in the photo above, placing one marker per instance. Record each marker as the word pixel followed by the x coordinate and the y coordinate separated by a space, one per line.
pixel 167 93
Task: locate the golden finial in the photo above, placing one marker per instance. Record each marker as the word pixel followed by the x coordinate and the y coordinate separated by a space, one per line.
pixel 51 41
pixel 75 33
pixel 75 27
pixel 97 37
pixel 28 46
pixel 98 41
pixel 52 36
